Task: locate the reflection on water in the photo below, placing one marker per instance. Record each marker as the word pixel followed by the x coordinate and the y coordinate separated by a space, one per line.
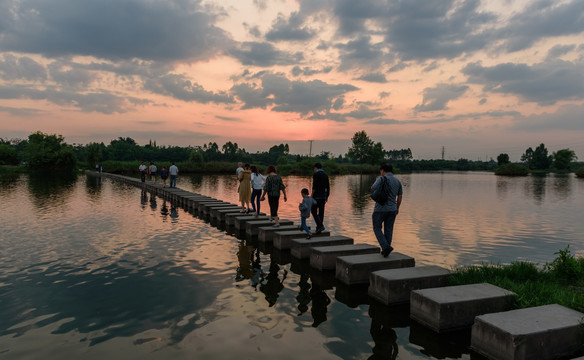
pixel 50 190
pixel 100 268
pixel 360 189
pixel 385 339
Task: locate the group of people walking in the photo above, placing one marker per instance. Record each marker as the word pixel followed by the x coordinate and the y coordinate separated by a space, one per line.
pixel 166 172
pixel 254 187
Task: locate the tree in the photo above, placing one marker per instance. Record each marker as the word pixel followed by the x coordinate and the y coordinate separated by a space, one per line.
pixel 527 155
pixel 49 152
pixel 230 151
pixel 503 159
pixel 399 155
pixel 196 157
pixel 537 159
pixel 8 155
pixel 124 149
pixel 93 153
pixel 563 158
pixel 541 160
pixel 365 150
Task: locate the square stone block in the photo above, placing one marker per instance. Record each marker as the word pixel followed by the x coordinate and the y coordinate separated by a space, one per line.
pixel 251 227
pixel 455 307
pixel 325 257
pixel 283 239
pixel 393 286
pixel 301 248
pixel 355 269
pixel 541 332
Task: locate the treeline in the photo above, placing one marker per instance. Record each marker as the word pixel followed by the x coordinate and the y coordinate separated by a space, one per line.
pixel 43 151
pixel 539 160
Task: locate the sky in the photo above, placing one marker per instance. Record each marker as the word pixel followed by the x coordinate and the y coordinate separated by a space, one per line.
pixel 471 78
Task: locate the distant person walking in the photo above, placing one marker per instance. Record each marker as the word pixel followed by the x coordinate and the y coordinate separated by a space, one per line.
pixel 143 171
pixel 272 188
pixel 173 170
pixel 152 171
pixel 245 188
pixel 237 173
pixel 257 184
pixel 305 207
pixel 385 214
pixel 164 175
pixel 321 191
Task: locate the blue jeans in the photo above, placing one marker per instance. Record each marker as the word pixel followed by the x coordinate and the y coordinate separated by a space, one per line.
pixel 318 212
pixel 387 219
pixel 172 180
pixel 256 194
pixel 303 225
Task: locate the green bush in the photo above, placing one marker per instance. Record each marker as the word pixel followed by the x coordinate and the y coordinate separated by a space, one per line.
pixel 512 170
pixel 580 172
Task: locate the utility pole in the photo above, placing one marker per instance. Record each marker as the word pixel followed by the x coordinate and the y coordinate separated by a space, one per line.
pixel 442 152
pixel 310 151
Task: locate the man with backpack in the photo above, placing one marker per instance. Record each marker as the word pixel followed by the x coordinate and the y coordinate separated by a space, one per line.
pixel 386 207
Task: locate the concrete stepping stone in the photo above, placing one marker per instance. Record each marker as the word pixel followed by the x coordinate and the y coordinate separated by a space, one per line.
pixel 283 239
pixel 393 286
pixel 240 221
pixel 207 208
pixel 541 332
pixel 205 204
pixel 324 258
pixel 355 269
pixel 266 233
pixel 301 248
pixel 230 217
pixel 251 227
pixel 222 213
pixel 214 211
pixel 455 307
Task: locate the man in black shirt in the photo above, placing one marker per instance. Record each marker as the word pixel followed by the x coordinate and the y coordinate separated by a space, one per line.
pixel 320 192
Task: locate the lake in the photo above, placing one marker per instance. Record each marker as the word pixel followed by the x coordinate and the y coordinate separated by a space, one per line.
pixel 94 269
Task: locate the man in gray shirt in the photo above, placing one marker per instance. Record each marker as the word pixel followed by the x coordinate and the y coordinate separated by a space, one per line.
pixel 384 214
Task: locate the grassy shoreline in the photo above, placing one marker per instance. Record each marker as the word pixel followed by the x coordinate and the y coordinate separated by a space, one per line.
pixel 559 282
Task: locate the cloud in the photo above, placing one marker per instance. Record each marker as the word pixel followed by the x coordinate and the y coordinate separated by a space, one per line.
pixel 373 77
pixel 179 87
pixel 567 118
pixel 362 53
pixel 25 112
pixel 438 97
pixel 364 112
pixel 69 74
pixel 285 95
pixel 307 71
pixel 102 102
pixel 539 20
pixel 228 118
pixel 383 121
pixel 113 29
pixel 559 50
pixel 290 29
pixel 543 83
pixel 263 54
pixel 420 29
pixel 21 68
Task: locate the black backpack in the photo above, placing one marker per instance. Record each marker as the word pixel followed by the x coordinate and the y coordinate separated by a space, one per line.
pixel 380 194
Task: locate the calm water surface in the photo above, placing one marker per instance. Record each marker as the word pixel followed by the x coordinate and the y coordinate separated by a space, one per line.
pixel 94 269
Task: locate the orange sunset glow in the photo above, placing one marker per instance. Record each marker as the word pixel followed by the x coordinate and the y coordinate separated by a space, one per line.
pixel 476 77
